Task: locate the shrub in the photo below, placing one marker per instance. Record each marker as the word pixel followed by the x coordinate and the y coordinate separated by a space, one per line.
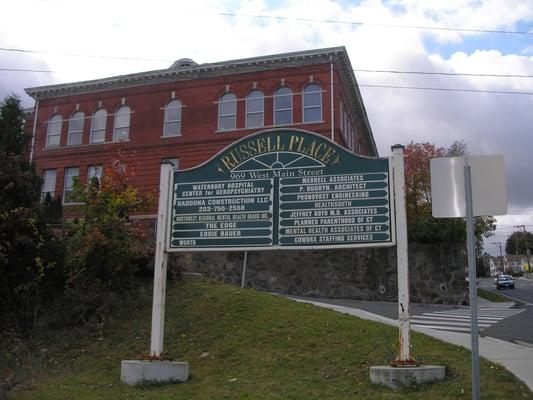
pixel 105 249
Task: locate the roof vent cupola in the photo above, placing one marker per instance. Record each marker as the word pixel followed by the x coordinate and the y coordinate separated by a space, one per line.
pixel 184 63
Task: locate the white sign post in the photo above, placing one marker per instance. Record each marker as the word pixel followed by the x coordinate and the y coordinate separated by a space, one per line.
pixel 465 187
pixel 133 372
pixel 402 255
pixel 403 370
pixel 160 264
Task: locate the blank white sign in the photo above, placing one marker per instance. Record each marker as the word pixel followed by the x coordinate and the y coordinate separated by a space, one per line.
pixel 489 194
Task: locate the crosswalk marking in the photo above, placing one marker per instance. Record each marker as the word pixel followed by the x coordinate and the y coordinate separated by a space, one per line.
pixel 458 320
pixel 444 328
pixel 449 323
pixel 447 316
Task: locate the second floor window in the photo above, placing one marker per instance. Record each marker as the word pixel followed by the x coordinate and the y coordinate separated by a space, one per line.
pixel 255 109
pixel 53 131
pixel 172 119
pixel 122 124
pixel 312 103
pixel 75 129
pixel 98 125
pixel 283 106
pixel 227 112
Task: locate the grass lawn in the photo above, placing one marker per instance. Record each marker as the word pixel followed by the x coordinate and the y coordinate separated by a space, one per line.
pixel 260 347
pixel 491 296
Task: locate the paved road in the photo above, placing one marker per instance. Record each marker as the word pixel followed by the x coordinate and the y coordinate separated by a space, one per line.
pixel 511 325
pixel 523 290
pixel 518 328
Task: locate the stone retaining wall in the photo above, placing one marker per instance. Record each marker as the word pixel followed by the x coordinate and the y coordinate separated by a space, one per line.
pixel 437 273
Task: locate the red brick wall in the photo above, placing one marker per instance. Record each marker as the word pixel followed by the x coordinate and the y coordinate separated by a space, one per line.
pixel 199 138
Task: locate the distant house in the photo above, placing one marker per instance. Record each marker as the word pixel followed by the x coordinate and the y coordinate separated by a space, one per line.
pixel 516 264
pixel 496 265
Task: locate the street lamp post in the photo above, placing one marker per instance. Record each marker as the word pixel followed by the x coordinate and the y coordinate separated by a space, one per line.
pixel 501 255
pixel 525 247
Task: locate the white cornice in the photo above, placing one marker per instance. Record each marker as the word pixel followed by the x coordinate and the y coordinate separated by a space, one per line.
pixel 231 67
pixel 186 73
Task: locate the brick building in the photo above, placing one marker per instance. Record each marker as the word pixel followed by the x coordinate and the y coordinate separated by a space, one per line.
pixel 191 111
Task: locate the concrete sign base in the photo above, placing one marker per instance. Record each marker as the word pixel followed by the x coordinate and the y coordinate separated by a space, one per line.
pixel 398 377
pixel 135 372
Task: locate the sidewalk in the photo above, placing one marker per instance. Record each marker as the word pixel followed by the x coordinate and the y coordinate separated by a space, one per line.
pixel 515 358
pixel 484 303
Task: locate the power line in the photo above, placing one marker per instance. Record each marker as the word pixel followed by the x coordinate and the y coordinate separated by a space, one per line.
pixel 444 73
pixel 80 55
pixel 360 84
pixel 447 89
pixel 382 71
pixel 25 70
pixel 382 25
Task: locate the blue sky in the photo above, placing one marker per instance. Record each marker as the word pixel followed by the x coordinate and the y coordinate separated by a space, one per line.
pixel 506 44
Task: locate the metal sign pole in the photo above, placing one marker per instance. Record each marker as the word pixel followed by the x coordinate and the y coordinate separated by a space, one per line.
pixel 160 264
pixel 402 255
pixel 470 238
pixel 244 269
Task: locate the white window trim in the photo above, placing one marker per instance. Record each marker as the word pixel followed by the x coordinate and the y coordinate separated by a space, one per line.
pixel 48 135
pixel 53 191
pixel 65 186
pixel 275 126
pixel 115 126
pixel 93 130
pixel 262 112
pixel 71 132
pixel 291 95
pixel 220 115
pixel 314 106
pixel 95 176
pixel 165 122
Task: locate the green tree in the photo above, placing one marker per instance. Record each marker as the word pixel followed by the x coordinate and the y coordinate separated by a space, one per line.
pixel 518 240
pixel 422 227
pixel 25 259
pixel 106 249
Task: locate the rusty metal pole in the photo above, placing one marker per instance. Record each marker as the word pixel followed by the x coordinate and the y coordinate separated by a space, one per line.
pixel 404 358
pixel 472 280
pixel 243 280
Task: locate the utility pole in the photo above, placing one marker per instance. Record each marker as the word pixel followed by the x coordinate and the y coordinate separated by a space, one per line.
pixel 525 246
pixel 501 255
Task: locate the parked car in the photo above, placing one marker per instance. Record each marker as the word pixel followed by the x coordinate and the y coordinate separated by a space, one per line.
pixel 505 281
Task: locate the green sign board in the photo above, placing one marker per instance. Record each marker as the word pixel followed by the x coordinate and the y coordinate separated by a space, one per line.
pixel 282 189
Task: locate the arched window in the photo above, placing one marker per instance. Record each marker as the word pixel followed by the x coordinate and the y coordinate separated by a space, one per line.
pixel 75 129
pixel 227 112
pixel 53 132
pixel 255 109
pixel 98 125
pixel 122 124
pixel 312 103
pixel 283 106
pixel 172 124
